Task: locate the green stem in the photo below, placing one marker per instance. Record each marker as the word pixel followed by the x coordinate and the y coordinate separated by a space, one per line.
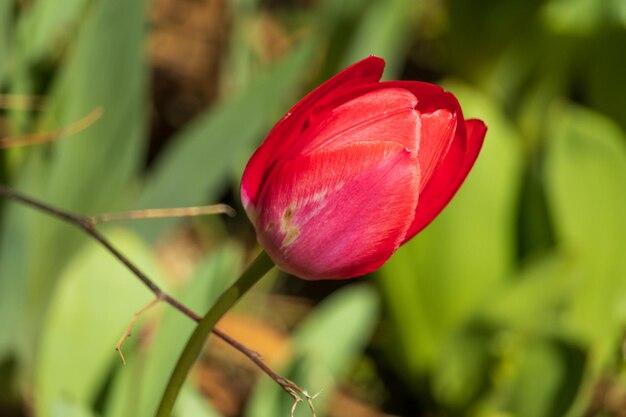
pixel 257 269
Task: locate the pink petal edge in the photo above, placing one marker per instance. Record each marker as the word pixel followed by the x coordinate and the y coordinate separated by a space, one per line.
pixel 449 176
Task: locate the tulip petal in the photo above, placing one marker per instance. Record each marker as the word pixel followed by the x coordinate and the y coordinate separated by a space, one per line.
pixel 437 132
pixel 430 97
pixel 449 175
pixel 386 115
pixel 441 113
pixel 366 71
pixel 341 213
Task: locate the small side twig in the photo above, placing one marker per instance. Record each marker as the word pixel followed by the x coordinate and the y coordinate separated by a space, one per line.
pixel 44 137
pixel 131 324
pixel 296 401
pixel 87 225
pixel 309 401
pixel 296 395
pixel 163 213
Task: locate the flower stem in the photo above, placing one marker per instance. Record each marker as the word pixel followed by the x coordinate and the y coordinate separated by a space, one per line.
pixel 257 269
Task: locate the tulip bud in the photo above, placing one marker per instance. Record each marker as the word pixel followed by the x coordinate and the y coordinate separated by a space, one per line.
pixel 355 169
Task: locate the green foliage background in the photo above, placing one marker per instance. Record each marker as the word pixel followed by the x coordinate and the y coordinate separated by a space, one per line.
pixel 512 303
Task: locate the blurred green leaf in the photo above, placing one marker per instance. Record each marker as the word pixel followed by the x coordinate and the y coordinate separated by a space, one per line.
pixel 535 234
pixel 330 12
pixel 531 302
pixel 76 173
pixel 539 376
pixel 383 31
pixel 137 389
pixel 461 369
pixel 6 26
pixel 105 70
pixel 13 262
pixel 324 346
pixel 239 68
pixel 346 318
pixel 45 23
pixel 580 17
pixel 193 169
pixel 63 408
pixel 20 83
pixel 192 404
pixel 605 84
pixel 478 35
pixel 16 262
pixel 89 311
pixel 586 177
pixel 533 377
pixel 620 9
pixel 436 284
pixel 122 398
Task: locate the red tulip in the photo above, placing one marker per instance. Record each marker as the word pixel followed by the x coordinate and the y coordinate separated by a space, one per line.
pixel 356 169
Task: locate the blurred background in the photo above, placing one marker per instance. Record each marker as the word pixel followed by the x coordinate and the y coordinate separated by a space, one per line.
pixel 512 303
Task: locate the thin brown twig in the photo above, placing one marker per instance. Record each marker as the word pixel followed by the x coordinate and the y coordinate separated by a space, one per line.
pixel 163 213
pixel 44 137
pixel 296 401
pixel 309 401
pixel 296 395
pixel 130 326
pixel 86 224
